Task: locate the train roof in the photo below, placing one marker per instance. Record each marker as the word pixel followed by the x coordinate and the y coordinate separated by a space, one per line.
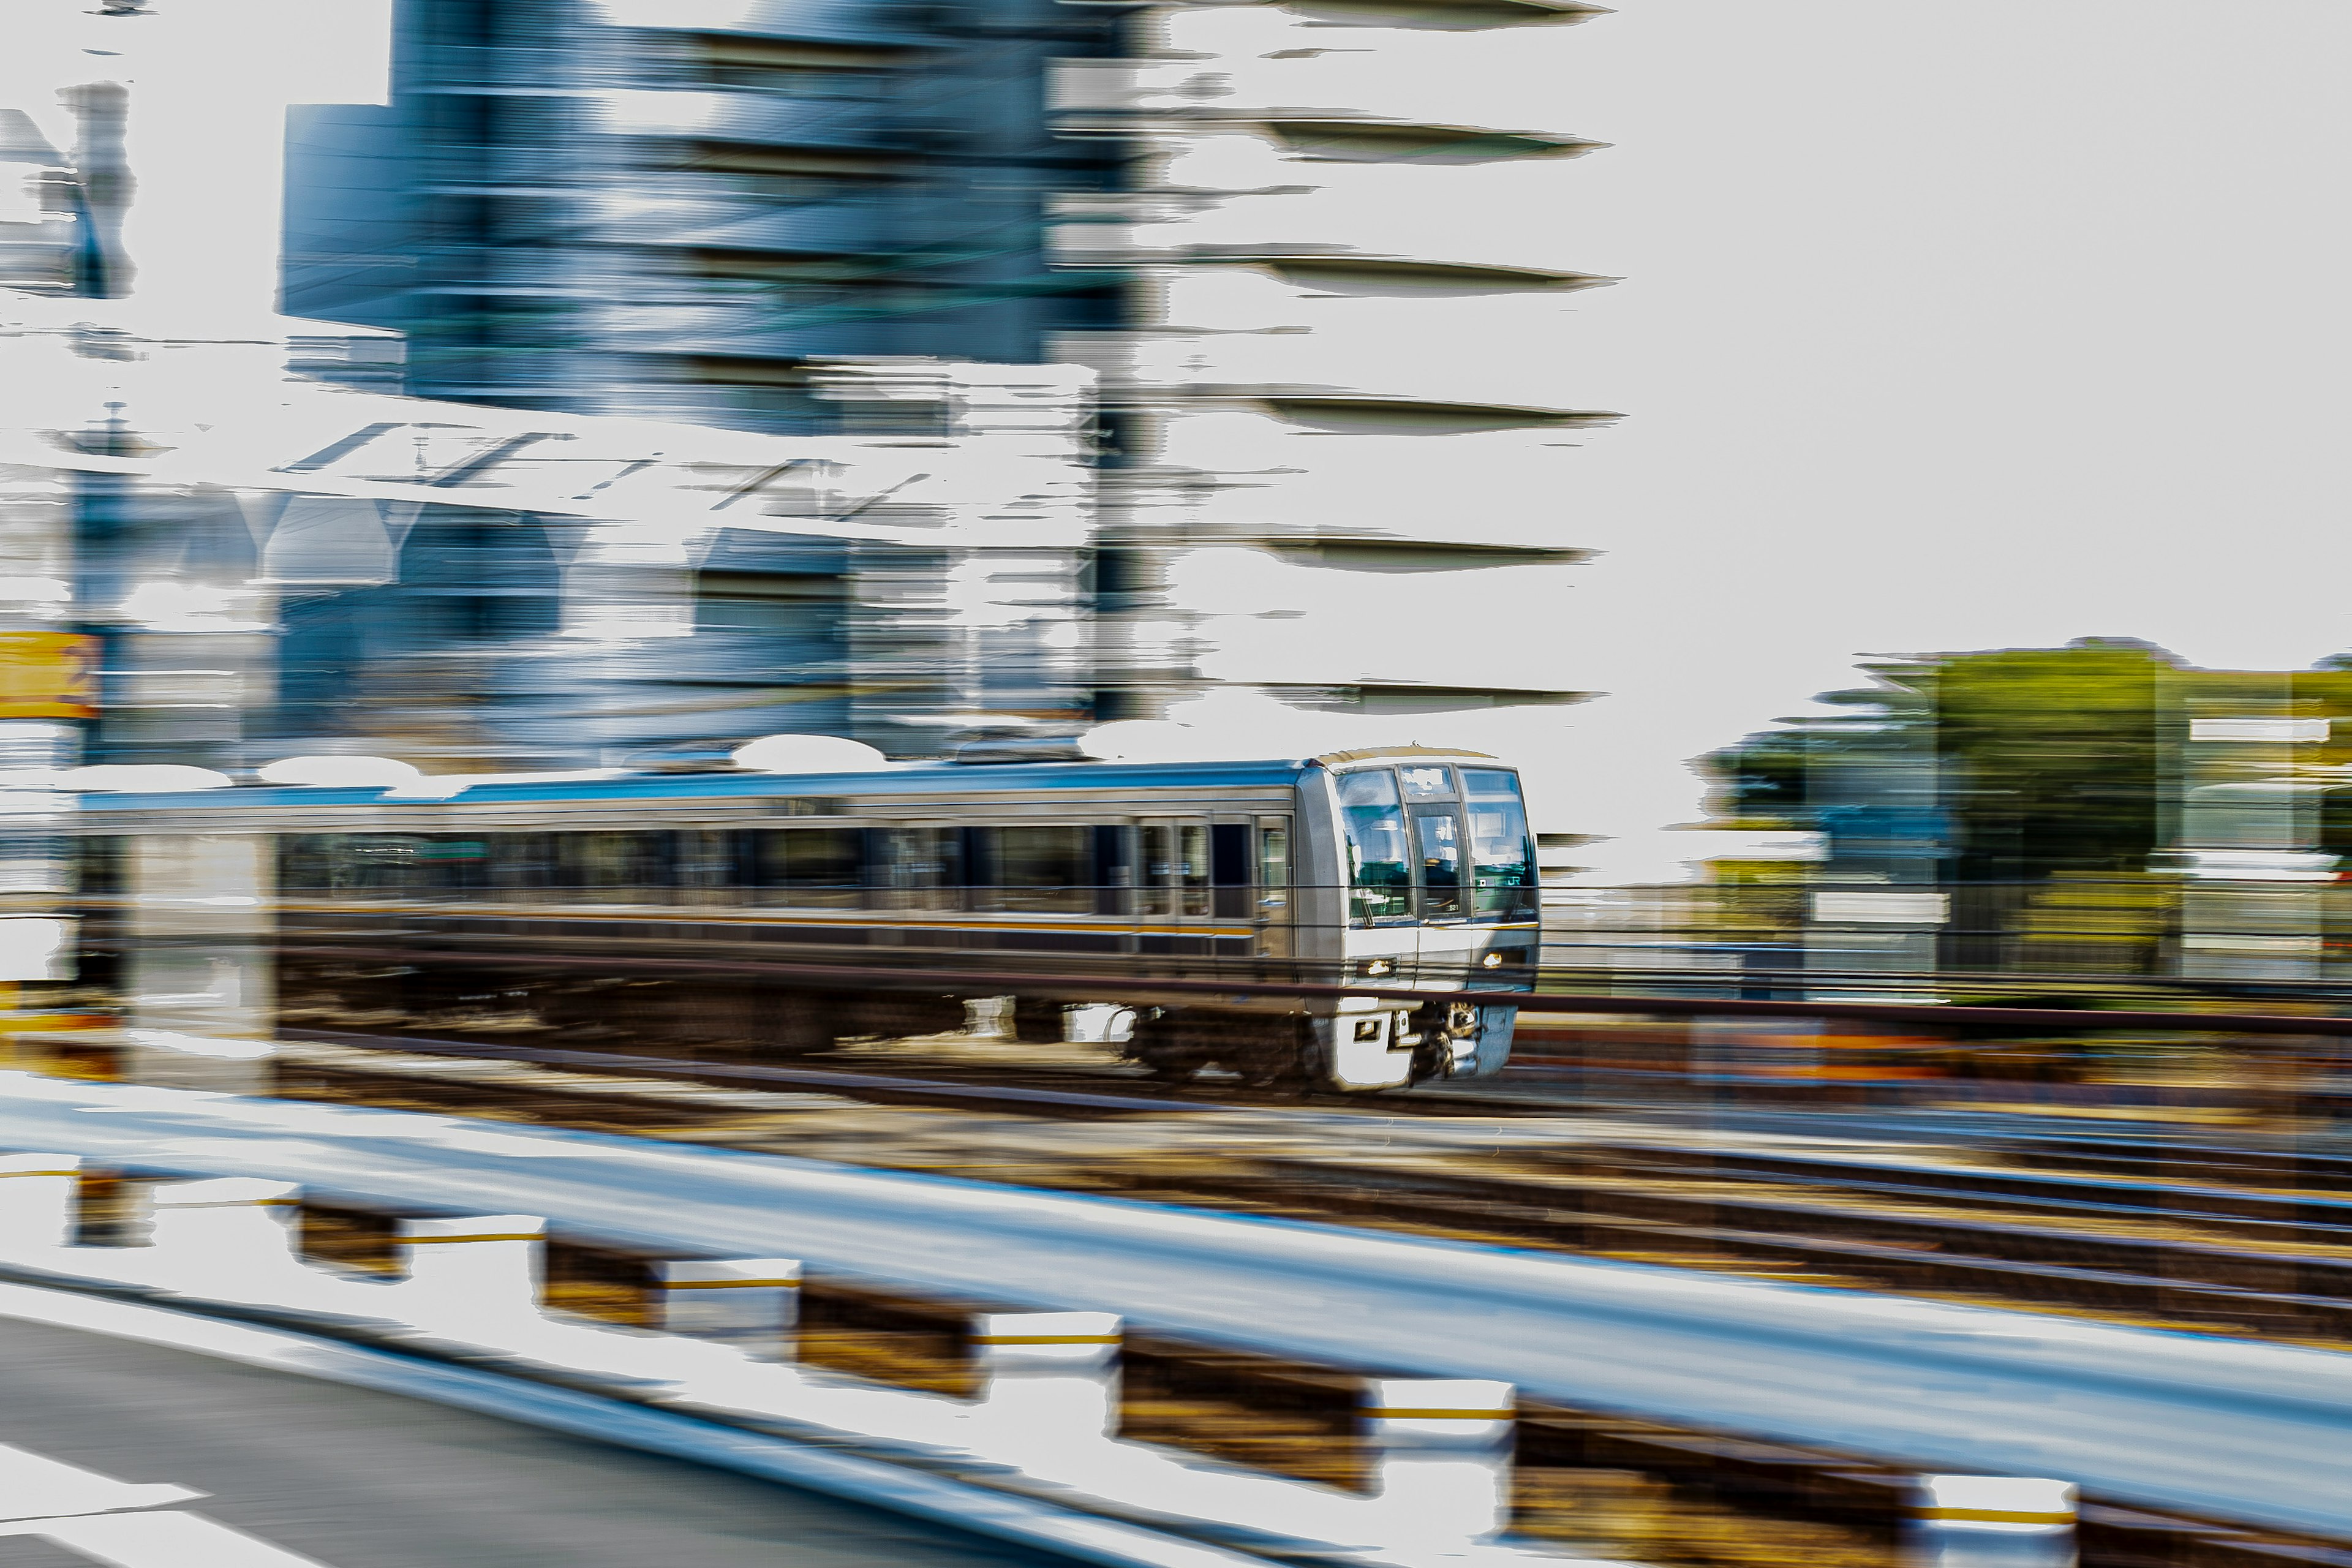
pixel 905 779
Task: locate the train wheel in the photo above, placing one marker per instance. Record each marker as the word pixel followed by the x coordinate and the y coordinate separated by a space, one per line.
pixel 1268 1055
pixel 1153 1046
pixel 1433 1058
pixel 1286 1078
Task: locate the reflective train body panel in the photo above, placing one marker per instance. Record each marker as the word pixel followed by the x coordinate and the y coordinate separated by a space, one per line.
pixel 679 906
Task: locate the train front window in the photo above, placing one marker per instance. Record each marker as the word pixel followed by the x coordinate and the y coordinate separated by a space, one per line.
pixel 1502 858
pixel 1440 842
pixel 1429 783
pixel 1379 863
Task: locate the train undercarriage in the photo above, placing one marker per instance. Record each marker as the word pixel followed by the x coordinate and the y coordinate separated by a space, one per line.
pixel 615 1006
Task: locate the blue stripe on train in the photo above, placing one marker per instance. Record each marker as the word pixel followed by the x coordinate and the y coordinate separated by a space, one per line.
pixel 916 779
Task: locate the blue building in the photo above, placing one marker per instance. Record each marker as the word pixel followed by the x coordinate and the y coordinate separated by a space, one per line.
pixel 692 212
pixel 667 208
pixel 882 238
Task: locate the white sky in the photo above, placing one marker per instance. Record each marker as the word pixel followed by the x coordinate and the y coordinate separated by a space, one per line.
pixel 210 83
pixel 1943 327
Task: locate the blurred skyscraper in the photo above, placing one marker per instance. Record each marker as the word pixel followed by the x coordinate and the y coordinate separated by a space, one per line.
pixel 717 213
pixel 1107 356
pixel 262 563
pixel 1325 322
pixel 697 212
pixel 1344 385
pixel 667 209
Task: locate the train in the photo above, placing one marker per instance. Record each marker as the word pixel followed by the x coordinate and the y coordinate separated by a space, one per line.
pixel 788 913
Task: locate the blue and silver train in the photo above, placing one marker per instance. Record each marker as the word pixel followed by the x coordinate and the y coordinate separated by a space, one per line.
pixel 784 913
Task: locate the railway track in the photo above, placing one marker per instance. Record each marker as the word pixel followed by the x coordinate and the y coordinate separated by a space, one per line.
pixel 878 1088
pixel 2204 1236
pixel 2204 1263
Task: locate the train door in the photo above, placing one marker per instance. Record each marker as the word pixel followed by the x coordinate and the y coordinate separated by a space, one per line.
pixel 1173 897
pixel 1274 905
pixel 1381 938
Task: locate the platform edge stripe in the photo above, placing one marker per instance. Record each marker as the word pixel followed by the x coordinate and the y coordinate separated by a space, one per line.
pixel 974 1511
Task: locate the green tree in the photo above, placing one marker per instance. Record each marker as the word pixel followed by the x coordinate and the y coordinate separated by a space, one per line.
pixel 2053 758
pixel 2044 760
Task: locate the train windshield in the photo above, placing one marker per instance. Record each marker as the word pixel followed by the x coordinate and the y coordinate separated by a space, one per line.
pixel 1502 858
pixel 1379 863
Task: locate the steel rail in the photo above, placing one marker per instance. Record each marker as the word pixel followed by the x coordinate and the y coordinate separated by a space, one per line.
pixel 1113 988
pixel 2024 1263
pixel 880 1086
pixel 2031 1258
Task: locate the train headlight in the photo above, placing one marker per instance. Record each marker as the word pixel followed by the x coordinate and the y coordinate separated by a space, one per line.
pixel 1374 968
pixel 1492 961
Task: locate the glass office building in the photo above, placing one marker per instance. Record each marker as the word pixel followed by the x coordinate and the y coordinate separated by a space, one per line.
pixel 667 209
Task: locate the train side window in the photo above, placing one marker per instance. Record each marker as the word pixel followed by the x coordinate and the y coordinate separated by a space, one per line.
pixel 919 867
pixel 382 863
pixel 813 867
pixel 1379 863
pixel 1114 869
pixel 525 867
pixel 1155 894
pixel 306 864
pixel 346 865
pixel 705 865
pixel 619 867
pixel 1044 869
pixel 450 864
pixel 1229 869
pixel 1272 862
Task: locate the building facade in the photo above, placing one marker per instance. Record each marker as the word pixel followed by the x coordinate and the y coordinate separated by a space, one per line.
pixel 1342 393
pixel 668 208
pixel 1294 242
pixel 1211 346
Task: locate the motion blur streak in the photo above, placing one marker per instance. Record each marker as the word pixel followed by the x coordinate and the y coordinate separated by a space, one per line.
pixel 559 557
